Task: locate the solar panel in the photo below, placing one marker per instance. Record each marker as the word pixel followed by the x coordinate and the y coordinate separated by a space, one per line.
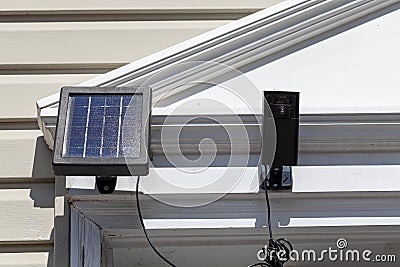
pixel 96 124
pixel 99 128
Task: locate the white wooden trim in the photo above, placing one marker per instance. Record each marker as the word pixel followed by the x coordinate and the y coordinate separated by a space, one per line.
pixel 332 13
pixel 292 213
pixel 61 225
pixel 85 241
pixel 235 44
pixel 176 49
pixel 306 179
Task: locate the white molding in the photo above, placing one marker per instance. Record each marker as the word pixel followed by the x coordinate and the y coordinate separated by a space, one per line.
pixel 120 238
pixel 329 133
pixel 297 214
pixel 236 44
pixel 306 179
pixel 85 242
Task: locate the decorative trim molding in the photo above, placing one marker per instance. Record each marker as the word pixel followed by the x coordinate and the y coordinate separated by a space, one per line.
pixel 237 44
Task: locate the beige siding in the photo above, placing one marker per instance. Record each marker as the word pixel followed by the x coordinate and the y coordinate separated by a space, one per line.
pixel 23 91
pixel 23 154
pixel 157 5
pixel 26 212
pixel 50 43
pixel 24 259
pixel 92 43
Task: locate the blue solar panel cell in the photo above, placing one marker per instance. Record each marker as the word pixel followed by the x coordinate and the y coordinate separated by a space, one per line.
pixel 111 121
pixel 110 131
pixel 78 131
pixel 78 121
pixel 97 111
pixel 109 152
pixel 110 141
pixel 81 101
pixel 80 111
pixel 126 100
pixel 93 142
pixel 97 101
pixel 93 152
pixel 75 151
pixel 95 131
pixel 113 111
pixel 76 141
pixel 113 100
pixel 98 122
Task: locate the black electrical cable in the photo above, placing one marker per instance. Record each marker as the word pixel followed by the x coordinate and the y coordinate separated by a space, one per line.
pixel 268 210
pixel 261 264
pixel 144 227
pixel 274 246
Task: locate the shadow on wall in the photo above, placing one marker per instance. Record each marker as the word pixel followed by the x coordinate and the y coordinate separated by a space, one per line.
pixel 42 160
pixel 42 189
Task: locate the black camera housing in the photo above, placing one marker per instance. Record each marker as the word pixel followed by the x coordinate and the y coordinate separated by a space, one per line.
pixel 282 110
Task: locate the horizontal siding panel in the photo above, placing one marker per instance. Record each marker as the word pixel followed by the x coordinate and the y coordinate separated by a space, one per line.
pixel 31 259
pixel 24 154
pixel 88 42
pixel 20 92
pixel 26 212
pixel 159 5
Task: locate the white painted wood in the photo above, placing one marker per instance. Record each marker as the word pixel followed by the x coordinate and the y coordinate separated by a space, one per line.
pixel 195 248
pixel 346 178
pixel 255 42
pixel 290 210
pixel 353 71
pixel 174 181
pixel 198 223
pixel 92 243
pixel 61 224
pixel 309 220
pixel 86 244
pixel 186 45
pixel 343 221
pixel 26 212
pixel 74 235
pixel 306 179
pixel 26 259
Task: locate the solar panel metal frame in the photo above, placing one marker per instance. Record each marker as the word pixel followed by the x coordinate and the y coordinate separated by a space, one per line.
pixel 97 166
